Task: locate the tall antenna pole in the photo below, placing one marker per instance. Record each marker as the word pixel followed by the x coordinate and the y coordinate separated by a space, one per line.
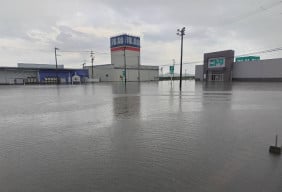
pixel 124 64
pixel 56 65
pixel 92 65
pixel 181 33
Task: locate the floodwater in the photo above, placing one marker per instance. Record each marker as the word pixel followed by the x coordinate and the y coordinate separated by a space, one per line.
pixel 145 137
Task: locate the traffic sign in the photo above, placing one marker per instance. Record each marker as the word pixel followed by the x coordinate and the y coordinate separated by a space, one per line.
pixel 247 58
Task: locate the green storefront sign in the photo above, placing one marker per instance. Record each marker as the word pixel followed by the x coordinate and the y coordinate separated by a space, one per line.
pixel 216 62
pixel 247 58
pixel 171 69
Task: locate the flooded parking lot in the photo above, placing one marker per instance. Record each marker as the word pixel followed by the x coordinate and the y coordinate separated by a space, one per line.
pixel 142 137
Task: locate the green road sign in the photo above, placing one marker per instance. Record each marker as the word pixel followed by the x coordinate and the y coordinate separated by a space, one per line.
pixel 171 69
pixel 247 58
pixel 216 62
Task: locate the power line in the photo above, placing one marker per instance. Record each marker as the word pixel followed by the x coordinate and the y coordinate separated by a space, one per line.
pixel 262 52
pixel 245 54
pixel 184 63
pixel 83 51
pixel 79 52
pixel 260 9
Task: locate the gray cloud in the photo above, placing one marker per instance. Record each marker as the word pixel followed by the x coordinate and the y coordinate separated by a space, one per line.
pixel 70 39
pixel 88 24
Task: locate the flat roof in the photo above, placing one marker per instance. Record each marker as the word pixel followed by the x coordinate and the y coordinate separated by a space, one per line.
pixel 40 66
pixel 98 65
pixel 36 69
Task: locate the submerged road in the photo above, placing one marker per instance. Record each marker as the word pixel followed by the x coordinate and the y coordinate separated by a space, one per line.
pixel 142 137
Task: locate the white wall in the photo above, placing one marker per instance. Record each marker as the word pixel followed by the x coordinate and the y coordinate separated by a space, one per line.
pixel 109 73
pixel 271 68
pixel 131 74
pixel 103 72
pixel 118 73
pixel 149 75
pixel 199 72
pixel 132 58
pixel 7 76
pixel 117 58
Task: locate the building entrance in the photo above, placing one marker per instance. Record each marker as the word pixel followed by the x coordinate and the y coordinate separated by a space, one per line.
pixel 216 77
pixel 218 65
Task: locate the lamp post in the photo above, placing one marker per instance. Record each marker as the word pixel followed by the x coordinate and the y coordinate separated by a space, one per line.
pixel 124 56
pixel 173 62
pixel 56 65
pixel 92 66
pixel 181 32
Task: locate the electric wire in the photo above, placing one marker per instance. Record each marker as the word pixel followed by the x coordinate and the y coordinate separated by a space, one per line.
pixel 241 55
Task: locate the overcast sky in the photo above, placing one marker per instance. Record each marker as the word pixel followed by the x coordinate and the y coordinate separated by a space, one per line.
pixel 30 29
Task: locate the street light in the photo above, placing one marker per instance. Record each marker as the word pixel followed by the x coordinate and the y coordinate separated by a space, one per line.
pixel 124 57
pixel 92 66
pixel 56 49
pixel 181 32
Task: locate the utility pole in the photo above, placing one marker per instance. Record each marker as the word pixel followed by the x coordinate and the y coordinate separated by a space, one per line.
pixel 83 64
pixel 124 64
pixel 173 63
pixel 56 65
pixel 92 66
pixel 138 68
pixel 181 32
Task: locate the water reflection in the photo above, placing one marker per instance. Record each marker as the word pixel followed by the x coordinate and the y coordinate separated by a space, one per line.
pixel 217 86
pixel 129 88
pixel 126 100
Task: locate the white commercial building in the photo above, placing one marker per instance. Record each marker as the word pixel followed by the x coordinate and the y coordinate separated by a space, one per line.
pixel 248 68
pixel 39 66
pixel 125 62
